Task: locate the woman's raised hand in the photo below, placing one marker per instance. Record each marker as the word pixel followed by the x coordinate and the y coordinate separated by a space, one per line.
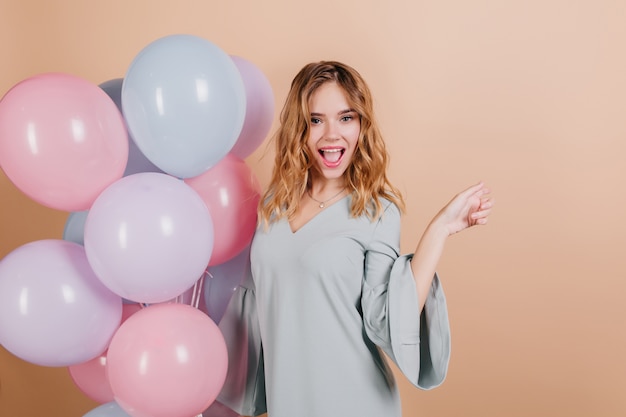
pixel 468 208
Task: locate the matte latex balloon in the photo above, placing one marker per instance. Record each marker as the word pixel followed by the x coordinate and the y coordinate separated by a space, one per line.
pixel 167 360
pixel 218 409
pixel 62 140
pixel 74 229
pixel 259 108
pixel 231 191
pixel 184 102
pixel 90 377
pixel 110 409
pixel 137 161
pixel 149 237
pixel 53 309
pixel 221 282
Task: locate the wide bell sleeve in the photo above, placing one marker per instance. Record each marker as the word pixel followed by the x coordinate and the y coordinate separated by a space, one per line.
pixel 244 388
pixel 419 344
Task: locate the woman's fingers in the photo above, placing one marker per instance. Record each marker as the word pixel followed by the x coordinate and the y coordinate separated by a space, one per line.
pixel 481 213
pixel 486 203
pixel 474 189
pixel 480 216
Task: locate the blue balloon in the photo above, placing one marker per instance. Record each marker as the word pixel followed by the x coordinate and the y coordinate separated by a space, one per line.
pixel 137 161
pixel 184 102
pixel 111 409
pixel 74 230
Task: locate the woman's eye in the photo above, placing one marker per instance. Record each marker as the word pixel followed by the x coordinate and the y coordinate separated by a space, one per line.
pixel 346 118
pixel 315 120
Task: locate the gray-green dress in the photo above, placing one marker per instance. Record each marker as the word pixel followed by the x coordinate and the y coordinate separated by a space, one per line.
pixel 305 331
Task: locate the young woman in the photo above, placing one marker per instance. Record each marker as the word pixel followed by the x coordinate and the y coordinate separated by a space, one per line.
pixel 328 290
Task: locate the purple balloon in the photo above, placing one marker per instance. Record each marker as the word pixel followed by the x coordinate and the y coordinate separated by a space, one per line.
pixel 149 237
pixel 259 108
pixel 222 281
pixel 54 311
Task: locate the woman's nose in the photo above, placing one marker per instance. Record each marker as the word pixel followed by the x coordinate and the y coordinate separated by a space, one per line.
pixel 332 131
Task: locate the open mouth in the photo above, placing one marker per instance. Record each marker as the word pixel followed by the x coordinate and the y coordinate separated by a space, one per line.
pixel 331 156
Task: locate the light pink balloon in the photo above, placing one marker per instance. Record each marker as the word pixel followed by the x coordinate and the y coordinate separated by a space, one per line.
pixel 53 309
pixel 167 360
pixel 231 191
pixel 149 237
pixel 90 377
pixel 259 108
pixel 62 140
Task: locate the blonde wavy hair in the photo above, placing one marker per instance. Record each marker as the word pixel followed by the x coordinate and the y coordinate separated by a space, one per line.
pixel 366 177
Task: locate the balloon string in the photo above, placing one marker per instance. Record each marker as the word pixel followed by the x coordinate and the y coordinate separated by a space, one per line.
pixel 197 289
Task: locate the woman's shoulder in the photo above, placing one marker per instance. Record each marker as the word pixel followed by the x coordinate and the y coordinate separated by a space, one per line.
pixel 389 206
pixel 382 209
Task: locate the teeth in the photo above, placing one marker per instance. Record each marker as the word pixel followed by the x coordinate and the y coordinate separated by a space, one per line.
pixel 331 155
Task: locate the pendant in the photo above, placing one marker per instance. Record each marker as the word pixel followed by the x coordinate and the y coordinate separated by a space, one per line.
pixel 322 205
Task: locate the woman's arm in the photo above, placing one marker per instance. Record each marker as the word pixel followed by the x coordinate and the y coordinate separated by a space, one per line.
pixel 469 208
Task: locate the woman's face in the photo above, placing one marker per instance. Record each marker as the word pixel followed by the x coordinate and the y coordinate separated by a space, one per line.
pixel 334 133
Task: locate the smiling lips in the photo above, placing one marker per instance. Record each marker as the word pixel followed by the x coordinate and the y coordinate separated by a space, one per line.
pixel 332 156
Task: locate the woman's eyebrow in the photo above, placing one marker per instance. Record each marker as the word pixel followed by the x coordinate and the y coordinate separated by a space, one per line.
pixel 340 112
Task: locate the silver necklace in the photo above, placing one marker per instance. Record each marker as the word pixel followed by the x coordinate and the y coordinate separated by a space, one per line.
pixel 323 203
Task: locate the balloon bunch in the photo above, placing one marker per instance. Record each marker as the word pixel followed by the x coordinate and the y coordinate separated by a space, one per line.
pixel 151 169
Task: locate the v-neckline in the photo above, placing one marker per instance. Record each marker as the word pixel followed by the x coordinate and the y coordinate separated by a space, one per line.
pixel 305 224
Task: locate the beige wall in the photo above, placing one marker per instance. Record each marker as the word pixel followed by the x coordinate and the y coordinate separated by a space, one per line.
pixel 529 96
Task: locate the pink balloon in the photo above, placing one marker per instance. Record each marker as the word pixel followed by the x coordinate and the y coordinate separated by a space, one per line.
pixel 53 309
pixel 149 237
pixel 167 360
pixel 90 377
pixel 259 108
pixel 62 140
pixel 231 191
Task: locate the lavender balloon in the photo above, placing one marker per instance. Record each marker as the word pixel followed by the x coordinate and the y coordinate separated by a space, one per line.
pixel 149 237
pixel 54 311
pixel 259 108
